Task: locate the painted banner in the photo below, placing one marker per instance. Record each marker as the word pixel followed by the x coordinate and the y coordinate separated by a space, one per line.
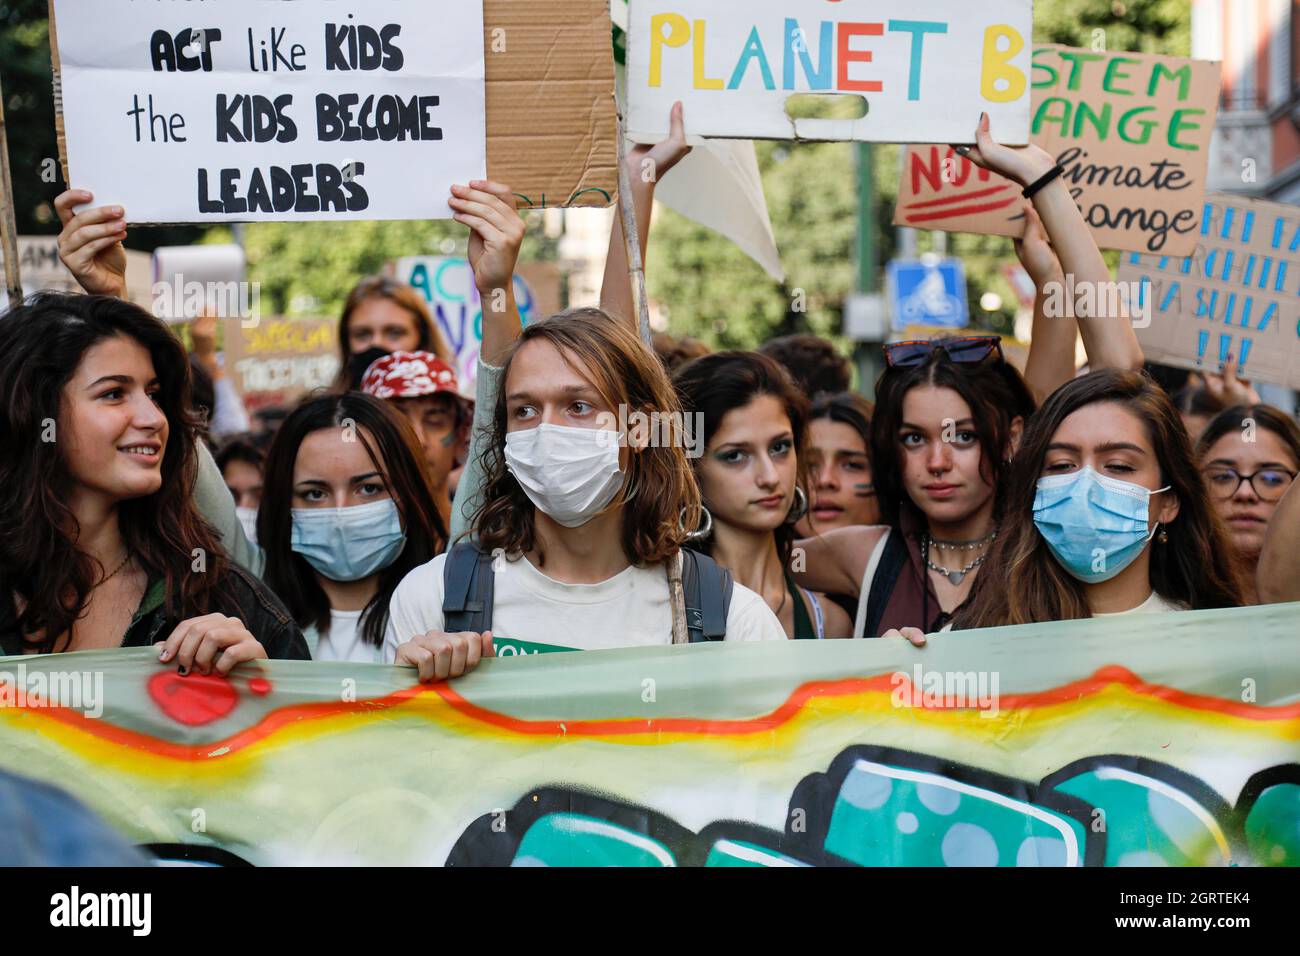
pixel 1236 295
pixel 918 71
pixel 246 110
pixel 447 284
pixel 276 361
pixel 1142 740
pixel 1131 130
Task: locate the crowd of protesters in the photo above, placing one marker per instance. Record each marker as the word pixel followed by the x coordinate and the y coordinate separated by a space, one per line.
pixel 392 520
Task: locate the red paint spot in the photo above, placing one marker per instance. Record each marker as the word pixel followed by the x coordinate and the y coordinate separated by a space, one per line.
pixel 260 686
pixel 194 700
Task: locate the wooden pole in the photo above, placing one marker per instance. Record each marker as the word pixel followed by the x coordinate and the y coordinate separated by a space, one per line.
pixel 8 221
pixel 630 240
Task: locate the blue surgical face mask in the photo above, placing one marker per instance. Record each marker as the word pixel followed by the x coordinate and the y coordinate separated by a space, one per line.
pixel 348 544
pixel 1094 525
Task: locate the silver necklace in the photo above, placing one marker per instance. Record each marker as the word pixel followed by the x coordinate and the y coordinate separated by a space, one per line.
pixel 965 545
pixel 955 577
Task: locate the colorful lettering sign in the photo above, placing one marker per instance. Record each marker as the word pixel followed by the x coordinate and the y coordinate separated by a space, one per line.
pixel 921 70
pixel 274 361
pixel 1145 740
pixel 1237 295
pixel 254 111
pixel 1131 130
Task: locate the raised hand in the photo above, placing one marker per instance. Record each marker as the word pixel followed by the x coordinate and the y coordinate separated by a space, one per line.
pixel 1034 251
pixel 649 164
pixel 1024 164
pixel 90 244
pixel 496 233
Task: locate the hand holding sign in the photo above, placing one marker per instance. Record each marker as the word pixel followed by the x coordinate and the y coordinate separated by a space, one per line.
pixel 648 164
pixel 496 233
pixel 90 244
pixel 1024 164
pixel 1035 252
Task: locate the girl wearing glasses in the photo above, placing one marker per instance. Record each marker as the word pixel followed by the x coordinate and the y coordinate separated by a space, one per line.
pixel 1106 514
pixel 949 416
pixel 1250 456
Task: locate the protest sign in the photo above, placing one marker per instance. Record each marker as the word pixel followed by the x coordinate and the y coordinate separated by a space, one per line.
pixel 43 271
pixel 248 110
pixel 447 284
pixel 274 361
pixel 998 747
pixel 919 71
pixel 549 101
pixel 1234 296
pixel 1131 130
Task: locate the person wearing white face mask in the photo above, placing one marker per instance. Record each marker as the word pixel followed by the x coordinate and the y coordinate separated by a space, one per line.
pixel 241 463
pixel 581 525
pixel 1108 514
pixel 346 512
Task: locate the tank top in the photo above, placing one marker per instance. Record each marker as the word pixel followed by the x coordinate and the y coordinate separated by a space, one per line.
pixel 804 628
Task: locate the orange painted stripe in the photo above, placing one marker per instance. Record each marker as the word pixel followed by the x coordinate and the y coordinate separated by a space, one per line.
pixel 629 726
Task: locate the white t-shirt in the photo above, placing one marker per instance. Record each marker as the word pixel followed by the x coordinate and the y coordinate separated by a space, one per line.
pixel 532 613
pixel 343 642
pixel 1155 604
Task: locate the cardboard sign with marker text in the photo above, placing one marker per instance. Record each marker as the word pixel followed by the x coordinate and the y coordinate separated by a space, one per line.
pixel 1237 295
pixel 275 361
pixel 549 91
pixel 918 70
pixel 1131 130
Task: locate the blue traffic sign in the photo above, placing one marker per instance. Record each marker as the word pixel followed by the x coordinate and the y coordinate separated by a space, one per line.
pixel 927 292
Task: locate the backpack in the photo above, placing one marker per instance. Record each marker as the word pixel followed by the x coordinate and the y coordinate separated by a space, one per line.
pixel 468 579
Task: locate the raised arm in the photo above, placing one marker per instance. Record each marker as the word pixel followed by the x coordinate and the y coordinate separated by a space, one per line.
pixel 1278 577
pixel 1108 339
pixel 1050 363
pixel 496 233
pixel 645 166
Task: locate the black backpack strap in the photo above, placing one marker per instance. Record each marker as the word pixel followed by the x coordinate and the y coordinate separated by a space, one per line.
pixel 882 585
pixel 467 587
pixel 707 589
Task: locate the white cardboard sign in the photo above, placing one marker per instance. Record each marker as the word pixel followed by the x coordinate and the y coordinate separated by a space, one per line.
pixel 247 110
pixel 926 68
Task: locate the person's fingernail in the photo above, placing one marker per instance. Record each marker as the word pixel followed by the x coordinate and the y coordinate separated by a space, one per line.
pixel 182 670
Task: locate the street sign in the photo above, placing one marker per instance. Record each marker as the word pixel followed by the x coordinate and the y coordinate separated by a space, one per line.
pixel 927 291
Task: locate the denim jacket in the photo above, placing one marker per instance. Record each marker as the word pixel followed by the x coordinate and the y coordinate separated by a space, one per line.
pixel 255 605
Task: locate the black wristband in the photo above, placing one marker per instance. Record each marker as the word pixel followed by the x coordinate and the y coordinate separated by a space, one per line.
pixel 1043 180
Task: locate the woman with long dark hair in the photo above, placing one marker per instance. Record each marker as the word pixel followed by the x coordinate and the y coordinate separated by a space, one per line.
pixel 101 544
pixel 1106 513
pixel 753 476
pixel 1249 455
pixel 346 512
pixel 842 492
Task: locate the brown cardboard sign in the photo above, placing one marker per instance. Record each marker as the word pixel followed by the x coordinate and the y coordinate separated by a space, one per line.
pixel 551 120
pixel 274 361
pixel 1131 130
pixel 1236 295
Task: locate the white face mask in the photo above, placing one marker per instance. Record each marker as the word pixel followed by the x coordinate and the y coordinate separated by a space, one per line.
pixel 570 474
pixel 248 520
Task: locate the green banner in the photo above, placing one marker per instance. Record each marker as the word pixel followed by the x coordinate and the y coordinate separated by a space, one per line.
pixel 1144 740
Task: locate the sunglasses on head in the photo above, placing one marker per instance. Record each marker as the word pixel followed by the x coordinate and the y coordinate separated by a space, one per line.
pixel 968 350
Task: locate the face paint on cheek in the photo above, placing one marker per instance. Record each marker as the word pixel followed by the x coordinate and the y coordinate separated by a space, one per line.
pixel 864 491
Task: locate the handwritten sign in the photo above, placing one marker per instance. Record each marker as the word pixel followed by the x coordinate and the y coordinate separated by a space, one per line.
pixel 1131 130
pixel 246 110
pixel 926 69
pixel 1238 294
pixel 447 284
pixel 277 360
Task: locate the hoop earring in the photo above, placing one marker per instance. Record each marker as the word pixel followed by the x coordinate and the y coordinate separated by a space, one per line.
pixel 700 533
pixel 801 507
pixel 1163 536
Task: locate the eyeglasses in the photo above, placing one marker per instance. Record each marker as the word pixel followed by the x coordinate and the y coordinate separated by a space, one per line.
pixel 1269 484
pixel 968 350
